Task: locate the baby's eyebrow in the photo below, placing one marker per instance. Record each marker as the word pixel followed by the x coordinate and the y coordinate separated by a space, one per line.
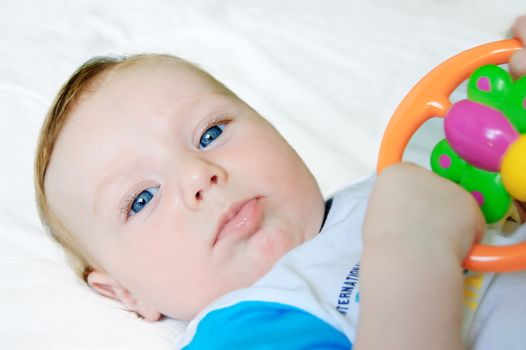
pixel 116 173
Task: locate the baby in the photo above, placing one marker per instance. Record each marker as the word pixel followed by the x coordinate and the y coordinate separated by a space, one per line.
pixel 173 196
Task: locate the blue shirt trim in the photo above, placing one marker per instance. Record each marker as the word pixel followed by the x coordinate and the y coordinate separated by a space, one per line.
pixel 265 326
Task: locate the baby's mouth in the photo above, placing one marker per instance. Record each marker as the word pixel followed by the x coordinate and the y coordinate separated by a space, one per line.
pixel 241 220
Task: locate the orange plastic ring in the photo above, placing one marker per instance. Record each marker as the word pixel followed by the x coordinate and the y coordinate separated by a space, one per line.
pixel 430 98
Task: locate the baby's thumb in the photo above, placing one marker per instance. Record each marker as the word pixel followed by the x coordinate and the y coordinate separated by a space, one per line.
pixel 518 64
pixel 518 60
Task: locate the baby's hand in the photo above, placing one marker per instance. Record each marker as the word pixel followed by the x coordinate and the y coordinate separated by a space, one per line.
pixel 418 229
pixel 518 60
pixel 411 202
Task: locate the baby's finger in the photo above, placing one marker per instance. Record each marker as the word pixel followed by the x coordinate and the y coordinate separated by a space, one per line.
pixel 518 60
pixel 519 28
pixel 518 64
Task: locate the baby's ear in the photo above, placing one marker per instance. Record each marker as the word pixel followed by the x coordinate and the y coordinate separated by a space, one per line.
pixel 104 284
pixel 108 286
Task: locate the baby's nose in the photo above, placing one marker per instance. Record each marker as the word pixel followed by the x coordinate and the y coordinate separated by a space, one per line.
pixel 201 177
pixel 199 194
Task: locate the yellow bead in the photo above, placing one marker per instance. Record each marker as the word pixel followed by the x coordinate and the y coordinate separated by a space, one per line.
pixel 513 169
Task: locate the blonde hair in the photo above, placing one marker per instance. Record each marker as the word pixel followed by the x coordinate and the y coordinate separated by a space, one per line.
pixel 83 80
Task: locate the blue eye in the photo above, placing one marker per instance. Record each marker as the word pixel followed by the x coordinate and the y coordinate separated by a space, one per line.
pixel 139 202
pixel 210 135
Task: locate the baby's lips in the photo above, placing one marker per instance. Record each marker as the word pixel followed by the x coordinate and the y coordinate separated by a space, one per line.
pixel 245 221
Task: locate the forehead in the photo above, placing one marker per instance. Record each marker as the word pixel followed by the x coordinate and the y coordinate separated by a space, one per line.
pixel 145 94
pixel 128 108
pixel 150 83
pixel 129 100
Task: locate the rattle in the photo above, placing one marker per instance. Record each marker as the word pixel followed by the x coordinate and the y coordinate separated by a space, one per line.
pixel 484 150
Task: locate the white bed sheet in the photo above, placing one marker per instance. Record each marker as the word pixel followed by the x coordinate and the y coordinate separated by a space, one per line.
pixel 328 74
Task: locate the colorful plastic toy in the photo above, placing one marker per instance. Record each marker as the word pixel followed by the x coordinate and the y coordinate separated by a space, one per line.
pixel 484 150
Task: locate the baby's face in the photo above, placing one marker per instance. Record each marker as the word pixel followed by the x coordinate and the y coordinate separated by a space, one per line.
pixel 177 189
